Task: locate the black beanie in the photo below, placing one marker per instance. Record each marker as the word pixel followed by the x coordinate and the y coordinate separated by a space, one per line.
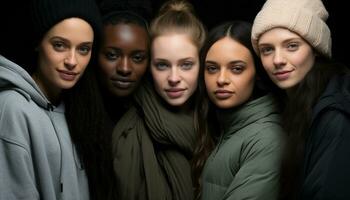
pixel 140 8
pixel 47 13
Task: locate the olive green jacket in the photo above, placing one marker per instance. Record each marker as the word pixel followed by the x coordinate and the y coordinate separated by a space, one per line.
pixel 246 162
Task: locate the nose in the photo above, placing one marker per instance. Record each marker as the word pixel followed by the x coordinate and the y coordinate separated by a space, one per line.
pixel 278 59
pixel 124 67
pixel 174 77
pixel 222 78
pixel 71 60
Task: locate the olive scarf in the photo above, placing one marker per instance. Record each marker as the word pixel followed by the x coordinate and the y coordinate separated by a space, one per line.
pixel 152 146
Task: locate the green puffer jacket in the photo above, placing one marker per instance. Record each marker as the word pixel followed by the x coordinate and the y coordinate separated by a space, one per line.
pixel 246 162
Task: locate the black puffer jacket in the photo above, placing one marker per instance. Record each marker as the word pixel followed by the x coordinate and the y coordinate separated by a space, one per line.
pixel 326 170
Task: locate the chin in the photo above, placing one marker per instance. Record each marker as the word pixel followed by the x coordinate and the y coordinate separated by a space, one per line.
pixel 122 94
pixel 176 102
pixel 67 86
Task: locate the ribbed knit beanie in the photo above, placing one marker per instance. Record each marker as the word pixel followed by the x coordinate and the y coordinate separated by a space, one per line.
pixel 304 17
pixel 47 13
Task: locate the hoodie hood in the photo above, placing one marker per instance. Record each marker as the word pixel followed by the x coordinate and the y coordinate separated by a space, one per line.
pixel 14 77
pixel 336 96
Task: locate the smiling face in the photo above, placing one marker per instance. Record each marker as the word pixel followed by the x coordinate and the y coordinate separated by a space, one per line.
pixel 123 58
pixel 229 73
pixel 286 57
pixel 64 54
pixel 174 67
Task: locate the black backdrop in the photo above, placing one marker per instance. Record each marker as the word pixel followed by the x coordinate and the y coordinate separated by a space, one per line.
pixel 15 29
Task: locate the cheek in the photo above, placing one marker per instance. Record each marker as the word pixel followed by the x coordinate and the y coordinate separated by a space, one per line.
pixel 140 69
pixel 85 60
pixel 107 68
pixel 267 64
pixel 306 62
pixel 192 79
pixel 245 85
pixel 157 79
pixel 210 82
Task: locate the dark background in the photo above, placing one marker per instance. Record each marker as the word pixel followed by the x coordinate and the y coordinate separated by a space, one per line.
pixel 15 28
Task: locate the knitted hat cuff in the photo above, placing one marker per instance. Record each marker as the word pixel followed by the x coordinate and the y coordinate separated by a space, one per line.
pixel 306 22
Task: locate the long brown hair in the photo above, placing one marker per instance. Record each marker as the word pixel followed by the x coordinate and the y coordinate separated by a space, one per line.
pixel 207 127
pixel 297 118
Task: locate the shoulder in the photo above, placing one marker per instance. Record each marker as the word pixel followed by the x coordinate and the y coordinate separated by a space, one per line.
pixel 16 115
pixel 330 124
pixel 13 102
pixel 267 130
pixel 268 140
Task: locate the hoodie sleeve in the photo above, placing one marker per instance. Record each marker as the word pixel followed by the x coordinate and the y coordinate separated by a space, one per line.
pixel 327 164
pixel 17 180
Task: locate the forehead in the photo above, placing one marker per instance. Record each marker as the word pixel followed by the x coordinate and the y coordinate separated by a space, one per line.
pixel 228 47
pixel 174 45
pixel 125 32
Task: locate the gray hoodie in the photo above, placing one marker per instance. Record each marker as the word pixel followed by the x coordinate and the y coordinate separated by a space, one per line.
pixel 37 157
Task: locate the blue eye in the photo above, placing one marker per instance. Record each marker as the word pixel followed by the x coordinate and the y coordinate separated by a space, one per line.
pixel 265 50
pixel 59 45
pixel 293 46
pixel 186 65
pixel 161 65
pixel 84 50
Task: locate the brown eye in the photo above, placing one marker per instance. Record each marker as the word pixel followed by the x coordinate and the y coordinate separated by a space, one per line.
pixel 211 69
pixel 112 55
pixel 237 69
pixel 138 57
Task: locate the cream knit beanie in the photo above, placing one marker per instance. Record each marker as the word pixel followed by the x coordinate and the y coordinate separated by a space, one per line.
pixel 304 17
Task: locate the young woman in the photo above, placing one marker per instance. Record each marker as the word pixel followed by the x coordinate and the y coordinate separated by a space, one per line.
pixel 47 110
pixel 295 48
pixel 153 141
pixel 241 115
pixel 123 56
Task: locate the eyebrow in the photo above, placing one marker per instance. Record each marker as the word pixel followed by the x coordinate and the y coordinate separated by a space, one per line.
pixel 188 58
pixel 231 62
pixel 210 62
pixel 67 41
pixel 160 59
pixel 121 49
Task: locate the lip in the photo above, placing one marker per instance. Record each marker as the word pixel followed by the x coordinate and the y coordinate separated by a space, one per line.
pixel 122 83
pixel 67 75
pixel 174 93
pixel 223 94
pixel 282 75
